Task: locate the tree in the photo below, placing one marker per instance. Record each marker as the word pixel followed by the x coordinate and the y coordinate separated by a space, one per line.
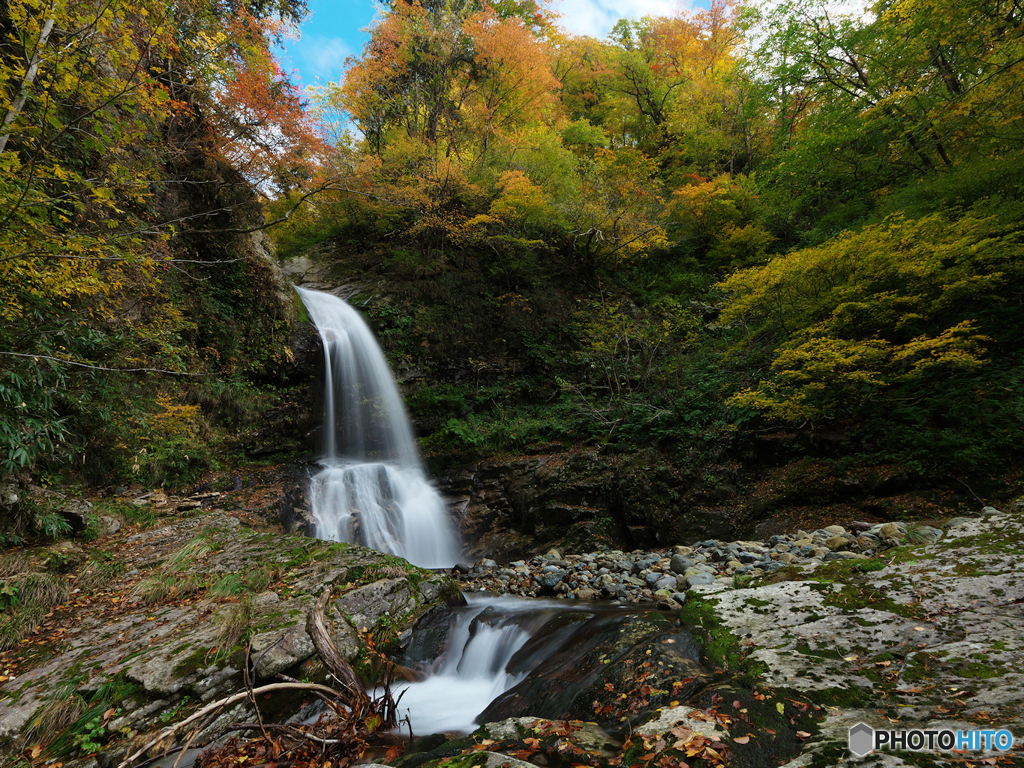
pixel 893 304
pixel 103 105
pixel 615 216
pixel 451 76
pixel 865 103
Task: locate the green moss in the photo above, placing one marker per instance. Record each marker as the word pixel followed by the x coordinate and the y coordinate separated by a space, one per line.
pixel 976 670
pixel 720 646
pixel 919 666
pixel 824 653
pixel 921 759
pixel 464 761
pixel 192 663
pixel 853 597
pixel 829 756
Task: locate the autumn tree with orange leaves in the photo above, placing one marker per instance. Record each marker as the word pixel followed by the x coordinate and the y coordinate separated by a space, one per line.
pixel 127 129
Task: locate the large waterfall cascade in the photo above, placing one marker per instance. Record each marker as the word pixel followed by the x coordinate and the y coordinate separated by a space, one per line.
pixel 372 489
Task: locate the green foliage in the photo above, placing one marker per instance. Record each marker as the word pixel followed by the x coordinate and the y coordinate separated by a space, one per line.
pixel 234 624
pixel 91 736
pixel 102 571
pixel 29 423
pixel 24 600
pixel 141 517
pixel 51 523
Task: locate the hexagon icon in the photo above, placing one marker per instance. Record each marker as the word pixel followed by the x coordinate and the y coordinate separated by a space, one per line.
pixel 862 739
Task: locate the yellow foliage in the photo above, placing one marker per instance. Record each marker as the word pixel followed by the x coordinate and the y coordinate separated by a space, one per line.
pixel 871 309
pixel 173 419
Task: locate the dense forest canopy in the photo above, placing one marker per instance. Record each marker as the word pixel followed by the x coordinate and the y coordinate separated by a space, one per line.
pixel 843 187
pixel 749 217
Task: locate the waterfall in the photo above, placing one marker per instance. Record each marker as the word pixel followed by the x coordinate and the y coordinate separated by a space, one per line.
pixel 372 489
pixel 474 668
pixel 501 657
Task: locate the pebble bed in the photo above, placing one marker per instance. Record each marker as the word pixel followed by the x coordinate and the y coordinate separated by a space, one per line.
pixel 663 576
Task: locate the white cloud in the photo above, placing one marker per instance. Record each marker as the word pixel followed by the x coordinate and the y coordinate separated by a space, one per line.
pixel 597 17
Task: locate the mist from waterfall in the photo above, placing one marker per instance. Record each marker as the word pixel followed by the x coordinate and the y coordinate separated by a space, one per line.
pixel 372 489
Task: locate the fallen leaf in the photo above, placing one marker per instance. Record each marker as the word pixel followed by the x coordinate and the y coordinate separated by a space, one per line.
pixel 803 735
pixel 781 707
pixel 742 739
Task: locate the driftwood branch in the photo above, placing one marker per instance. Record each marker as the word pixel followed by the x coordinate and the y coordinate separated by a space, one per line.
pixel 280 729
pixel 316 628
pixel 225 702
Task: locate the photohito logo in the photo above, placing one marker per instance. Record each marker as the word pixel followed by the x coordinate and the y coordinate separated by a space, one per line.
pixel 863 739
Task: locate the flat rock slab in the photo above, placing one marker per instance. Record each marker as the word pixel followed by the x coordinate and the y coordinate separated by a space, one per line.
pixel 927 635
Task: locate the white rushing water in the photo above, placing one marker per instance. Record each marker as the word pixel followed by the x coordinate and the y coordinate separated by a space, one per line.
pixel 471 672
pixel 372 489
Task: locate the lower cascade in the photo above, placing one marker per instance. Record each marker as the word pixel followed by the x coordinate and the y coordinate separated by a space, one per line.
pixel 501 657
pixel 479 642
pixel 372 489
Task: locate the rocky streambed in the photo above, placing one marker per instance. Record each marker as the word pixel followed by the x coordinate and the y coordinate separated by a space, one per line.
pixel 897 626
pixel 663 576
pixel 742 653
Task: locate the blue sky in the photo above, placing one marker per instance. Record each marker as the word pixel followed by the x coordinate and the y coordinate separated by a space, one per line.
pixel 334 30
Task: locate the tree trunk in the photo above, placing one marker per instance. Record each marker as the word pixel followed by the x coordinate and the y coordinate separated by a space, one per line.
pixel 26 85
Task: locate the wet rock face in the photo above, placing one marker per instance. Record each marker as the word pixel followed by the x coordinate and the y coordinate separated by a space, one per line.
pixel 509 507
pixel 587 662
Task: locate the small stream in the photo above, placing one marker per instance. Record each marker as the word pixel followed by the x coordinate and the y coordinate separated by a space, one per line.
pixel 500 657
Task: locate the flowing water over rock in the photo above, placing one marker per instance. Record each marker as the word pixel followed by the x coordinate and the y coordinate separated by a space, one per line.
pixel 502 657
pixel 372 489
